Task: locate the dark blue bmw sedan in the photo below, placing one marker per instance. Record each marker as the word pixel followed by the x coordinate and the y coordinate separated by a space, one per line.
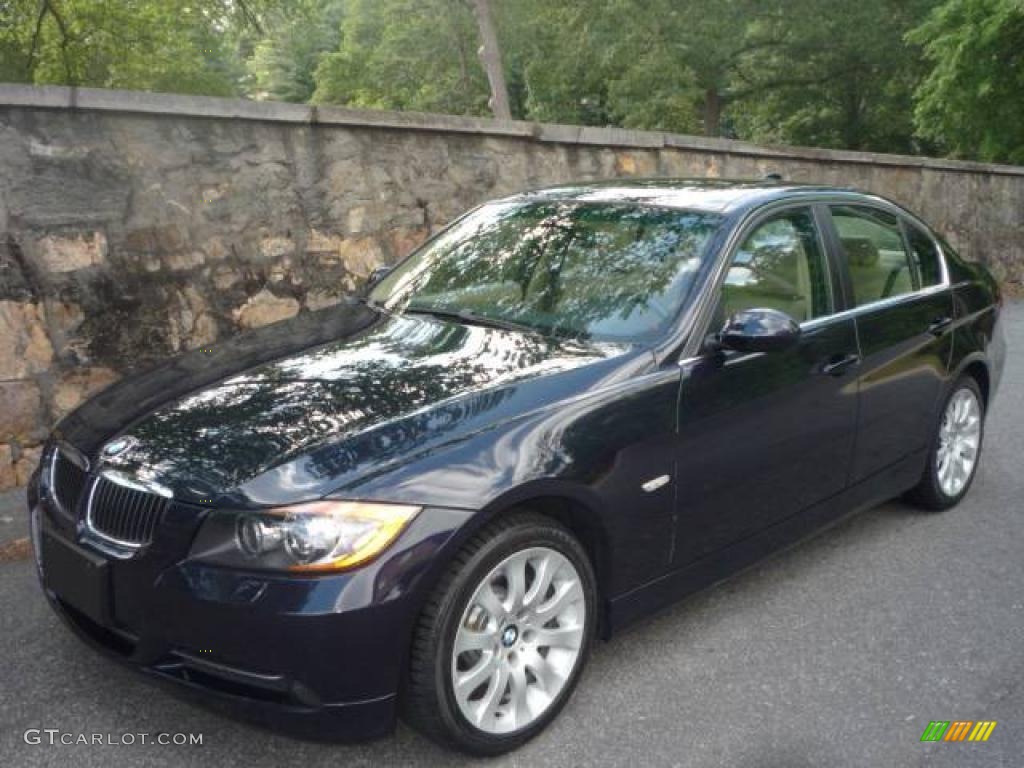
pixel 566 410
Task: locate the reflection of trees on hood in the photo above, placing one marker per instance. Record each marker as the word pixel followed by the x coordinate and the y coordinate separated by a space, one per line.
pixel 402 437
pixel 391 381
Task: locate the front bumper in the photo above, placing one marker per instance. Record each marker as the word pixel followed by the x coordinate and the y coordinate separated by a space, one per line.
pixel 317 657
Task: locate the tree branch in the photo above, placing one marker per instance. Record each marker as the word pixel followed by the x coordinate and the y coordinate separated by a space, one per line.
pixel 64 39
pixel 250 17
pixel 30 64
pixel 772 85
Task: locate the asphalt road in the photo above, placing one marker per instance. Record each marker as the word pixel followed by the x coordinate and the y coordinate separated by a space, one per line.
pixel 837 652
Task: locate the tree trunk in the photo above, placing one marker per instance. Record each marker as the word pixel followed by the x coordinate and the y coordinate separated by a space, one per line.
pixel 712 112
pixel 490 57
pixel 852 129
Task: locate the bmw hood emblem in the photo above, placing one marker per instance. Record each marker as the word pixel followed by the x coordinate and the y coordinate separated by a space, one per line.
pixel 118 446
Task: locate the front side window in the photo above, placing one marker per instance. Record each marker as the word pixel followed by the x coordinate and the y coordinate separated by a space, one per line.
pixel 780 265
pixel 599 271
pixel 873 243
pixel 925 255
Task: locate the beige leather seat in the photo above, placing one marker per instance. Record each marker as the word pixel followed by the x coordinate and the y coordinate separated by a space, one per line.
pixel 875 275
pixel 782 282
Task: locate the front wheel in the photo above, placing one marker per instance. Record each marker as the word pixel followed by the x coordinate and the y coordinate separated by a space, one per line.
pixel 955 449
pixel 502 642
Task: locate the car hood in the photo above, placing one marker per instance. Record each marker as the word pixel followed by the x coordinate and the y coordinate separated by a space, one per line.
pixel 390 386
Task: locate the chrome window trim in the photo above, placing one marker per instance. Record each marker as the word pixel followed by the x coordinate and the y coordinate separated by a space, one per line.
pixel 873 306
pixel 701 312
pixel 927 232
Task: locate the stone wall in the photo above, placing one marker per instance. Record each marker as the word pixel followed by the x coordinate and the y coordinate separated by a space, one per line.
pixel 133 225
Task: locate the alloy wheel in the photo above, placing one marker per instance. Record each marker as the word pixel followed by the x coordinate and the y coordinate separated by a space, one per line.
pixel 519 640
pixel 959 441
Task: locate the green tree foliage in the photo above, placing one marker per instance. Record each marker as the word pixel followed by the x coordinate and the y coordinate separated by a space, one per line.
pixel 174 46
pixel 405 54
pixel 808 71
pixel 600 63
pixel 715 43
pixel 654 64
pixel 284 60
pixel 845 79
pixel 972 102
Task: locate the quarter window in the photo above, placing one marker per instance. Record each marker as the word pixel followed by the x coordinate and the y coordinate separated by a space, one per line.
pixel 925 255
pixel 875 252
pixel 781 265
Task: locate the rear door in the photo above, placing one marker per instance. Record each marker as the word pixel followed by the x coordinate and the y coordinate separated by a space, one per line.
pixel 895 280
pixel 763 436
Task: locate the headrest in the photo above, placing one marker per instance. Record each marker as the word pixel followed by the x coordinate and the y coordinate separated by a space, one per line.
pixel 860 252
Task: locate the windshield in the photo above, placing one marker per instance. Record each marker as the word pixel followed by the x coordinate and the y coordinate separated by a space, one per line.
pixel 599 271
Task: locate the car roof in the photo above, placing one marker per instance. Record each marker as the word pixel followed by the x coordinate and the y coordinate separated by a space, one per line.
pixel 725 196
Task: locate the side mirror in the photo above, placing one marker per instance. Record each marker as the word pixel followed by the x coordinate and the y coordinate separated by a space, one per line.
pixel 759 330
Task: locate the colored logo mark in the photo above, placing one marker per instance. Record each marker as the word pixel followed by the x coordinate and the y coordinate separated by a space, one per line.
pixel 120 445
pixel 958 730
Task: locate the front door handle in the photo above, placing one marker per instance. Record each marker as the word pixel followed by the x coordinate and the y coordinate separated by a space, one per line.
pixel 837 364
pixel 939 325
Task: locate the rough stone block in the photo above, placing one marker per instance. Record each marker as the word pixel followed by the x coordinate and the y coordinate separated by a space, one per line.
pixel 156 239
pixel 24 345
pixel 191 322
pixel 361 255
pixel 271 247
pixel 15 281
pixel 64 316
pixel 225 277
pixel 186 260
pixel 8 477
pixel 320 299
pixel 265 308
pixel 66 253
pixel 26 464
pixel 21 410
pixel 404 240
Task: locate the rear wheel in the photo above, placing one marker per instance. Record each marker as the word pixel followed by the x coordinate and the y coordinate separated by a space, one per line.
pixel 502 642
pixel 955 449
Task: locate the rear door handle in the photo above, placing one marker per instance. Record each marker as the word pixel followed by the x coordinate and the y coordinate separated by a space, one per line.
pixel 939 325
pixel 837 364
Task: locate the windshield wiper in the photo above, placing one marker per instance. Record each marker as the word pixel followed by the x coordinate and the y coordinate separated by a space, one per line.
pixel 472 318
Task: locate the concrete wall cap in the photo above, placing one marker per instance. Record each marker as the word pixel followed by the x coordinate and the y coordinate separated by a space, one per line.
pixel 179 105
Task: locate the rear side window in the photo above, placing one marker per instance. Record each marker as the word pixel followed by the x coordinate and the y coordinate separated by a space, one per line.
pixel 875 252
pixel 925 254
pixel 781 265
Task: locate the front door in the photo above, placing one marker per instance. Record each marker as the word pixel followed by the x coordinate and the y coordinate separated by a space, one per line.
pixel 763 436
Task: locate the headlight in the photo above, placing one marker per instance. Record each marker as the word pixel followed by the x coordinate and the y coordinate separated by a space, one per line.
pixel 314 537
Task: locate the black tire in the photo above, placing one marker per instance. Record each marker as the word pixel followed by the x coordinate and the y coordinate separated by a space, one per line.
pixel 429 703
pixel 928 493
